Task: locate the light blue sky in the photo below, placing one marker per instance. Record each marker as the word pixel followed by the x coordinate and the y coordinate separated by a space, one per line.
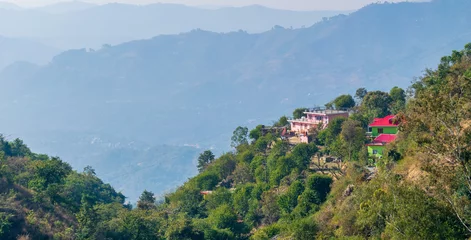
pixel 283 4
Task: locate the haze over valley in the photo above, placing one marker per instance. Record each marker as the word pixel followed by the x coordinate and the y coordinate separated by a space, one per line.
pixel 156 89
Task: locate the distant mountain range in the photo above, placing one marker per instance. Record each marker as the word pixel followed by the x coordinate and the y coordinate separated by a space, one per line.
pixel 17 49
pixel 78 24
pixel 65 7
pixel 196 87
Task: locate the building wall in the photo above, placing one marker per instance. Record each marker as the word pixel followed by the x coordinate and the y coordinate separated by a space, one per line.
pixel 386 130
pixel 313 120
pixel 379 150
pixel 301 127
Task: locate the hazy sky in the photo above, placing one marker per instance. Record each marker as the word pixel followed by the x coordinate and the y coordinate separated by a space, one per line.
pixel 284 4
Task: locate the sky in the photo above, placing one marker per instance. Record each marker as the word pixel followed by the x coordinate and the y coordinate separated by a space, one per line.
pixel 281 4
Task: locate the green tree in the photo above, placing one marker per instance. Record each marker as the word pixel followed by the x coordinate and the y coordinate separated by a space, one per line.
pixel 283 121
pixel 87 219
pixel 302 154
pixel 376 104
pixel 242 174
pixel 320 184
pixel 204 160
pixel 224 217
pixel 299 113
pixel 256 133
pixel 5 224
pixel 242 196
pixel 360 94
pixel 146 201
pixel 207 180
pixel 353 138
pixel 289 201
pixel 398 96
pixel 270 208
pixel 219 197
pixel 239 136
pixel 344 102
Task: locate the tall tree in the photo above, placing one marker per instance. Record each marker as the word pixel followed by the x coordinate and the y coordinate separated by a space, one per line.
pixel 353 138
pixel 376 104
pixel 299 113
pixel 360 93
pixel 205 159
pixel 239 136
pixel 146 200
pixel 398 96
pixel 344 102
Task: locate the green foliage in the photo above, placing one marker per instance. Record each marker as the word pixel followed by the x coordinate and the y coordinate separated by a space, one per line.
pixel 223 217
pixel 353 139
pixel 321 184
pixel 242 174
pixel 360 93
pixel 302 154
pixel 207 180
pixel 376 104
pixel 269 189
pixel 344 102
pixel 239 136
pixel 204 160
pixel 299 113
pixel 221 196
pixel 256 133
pixel 289 201
pixel 283 121
pixel 146 200
pixel 303 229
pixel 329 135
pixel 5 224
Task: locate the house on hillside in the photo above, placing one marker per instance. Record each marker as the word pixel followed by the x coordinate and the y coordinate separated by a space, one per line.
pixel 385 125
pixel 383 131
pixel 314 118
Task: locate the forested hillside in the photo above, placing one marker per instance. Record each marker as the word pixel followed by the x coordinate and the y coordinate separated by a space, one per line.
pixel 194 88
pixel 268 188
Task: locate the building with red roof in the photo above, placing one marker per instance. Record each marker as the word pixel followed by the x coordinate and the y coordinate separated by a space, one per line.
pixel 386 125
pixel 384 131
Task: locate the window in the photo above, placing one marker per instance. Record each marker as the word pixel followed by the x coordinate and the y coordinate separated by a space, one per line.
pixel 370 129
pixel 375 151
pixel 319 118
pixel 380 130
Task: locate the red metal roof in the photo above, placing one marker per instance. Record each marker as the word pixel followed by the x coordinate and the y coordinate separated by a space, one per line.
pixel 383 139
pixel 384 122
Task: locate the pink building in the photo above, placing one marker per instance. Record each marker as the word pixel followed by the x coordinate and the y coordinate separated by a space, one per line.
pixel 314 118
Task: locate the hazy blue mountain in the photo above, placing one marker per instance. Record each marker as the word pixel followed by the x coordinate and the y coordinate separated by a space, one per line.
pixel 15 49
pixel 9 6
pixel 194 88
pixel 93 26
pixel 65 7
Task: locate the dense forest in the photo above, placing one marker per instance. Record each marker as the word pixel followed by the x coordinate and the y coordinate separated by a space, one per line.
pixel 269 189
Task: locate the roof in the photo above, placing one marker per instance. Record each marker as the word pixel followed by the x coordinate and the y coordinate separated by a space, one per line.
pixel 384 122
pixel 325 112
pixel 383 139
